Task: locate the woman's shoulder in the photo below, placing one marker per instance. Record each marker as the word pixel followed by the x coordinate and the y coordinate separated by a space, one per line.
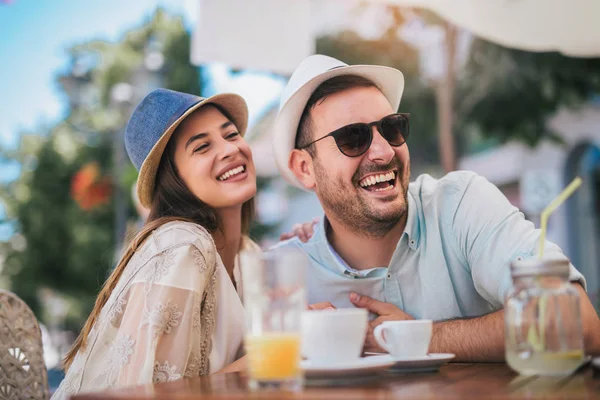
pixel 180 235
pixel 182 232
pixel 176 244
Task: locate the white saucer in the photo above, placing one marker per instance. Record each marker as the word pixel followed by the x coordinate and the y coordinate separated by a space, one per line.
pixel 430 362
pixel 361 367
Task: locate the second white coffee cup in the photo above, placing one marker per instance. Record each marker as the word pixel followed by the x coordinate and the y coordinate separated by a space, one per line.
pixel 334 336
pixel 404 339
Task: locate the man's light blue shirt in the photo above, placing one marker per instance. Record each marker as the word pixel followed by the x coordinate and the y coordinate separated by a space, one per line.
pixel 452 260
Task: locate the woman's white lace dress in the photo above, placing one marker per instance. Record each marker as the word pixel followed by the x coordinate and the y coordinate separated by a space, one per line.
pixel 173 314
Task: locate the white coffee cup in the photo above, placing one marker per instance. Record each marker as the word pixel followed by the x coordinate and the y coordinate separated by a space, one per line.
pixel 404 339
pixel 334 336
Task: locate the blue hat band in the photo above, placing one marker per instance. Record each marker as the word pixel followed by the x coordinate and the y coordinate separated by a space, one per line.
pixel 181 110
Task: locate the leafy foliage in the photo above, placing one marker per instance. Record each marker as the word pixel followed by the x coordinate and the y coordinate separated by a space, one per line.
pixel 69 248
pixel 508 94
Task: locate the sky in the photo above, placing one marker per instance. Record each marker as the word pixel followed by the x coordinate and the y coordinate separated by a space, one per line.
pixel 35 37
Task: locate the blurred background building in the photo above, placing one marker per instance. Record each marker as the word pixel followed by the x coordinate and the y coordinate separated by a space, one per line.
pixel 72 73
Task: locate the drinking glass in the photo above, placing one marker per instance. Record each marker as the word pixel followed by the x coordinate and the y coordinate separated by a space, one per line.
pixel 274 298
pixel 543 330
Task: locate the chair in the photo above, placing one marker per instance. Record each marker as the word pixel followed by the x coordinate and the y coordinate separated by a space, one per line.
pixel 23 373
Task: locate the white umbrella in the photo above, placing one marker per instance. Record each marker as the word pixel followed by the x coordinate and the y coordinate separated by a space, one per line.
pixel 568 26
pixel 271 35
pixel 276 35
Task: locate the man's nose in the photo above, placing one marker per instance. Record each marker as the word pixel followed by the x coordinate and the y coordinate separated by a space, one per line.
pixel 380 151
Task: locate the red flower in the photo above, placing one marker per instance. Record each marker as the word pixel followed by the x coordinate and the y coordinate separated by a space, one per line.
pixel 89 189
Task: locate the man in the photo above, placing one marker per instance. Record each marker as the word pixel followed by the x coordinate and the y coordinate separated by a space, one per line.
pixel 435 249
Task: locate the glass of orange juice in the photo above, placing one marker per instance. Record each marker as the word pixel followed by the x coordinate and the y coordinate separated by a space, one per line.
pixel 274 299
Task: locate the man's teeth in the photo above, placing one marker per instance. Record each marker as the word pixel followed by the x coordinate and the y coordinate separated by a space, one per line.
pixel 231 173
pixel 374 179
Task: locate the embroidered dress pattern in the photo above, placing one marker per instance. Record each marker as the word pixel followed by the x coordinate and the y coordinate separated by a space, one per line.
pixel 117 308
pixel 164 373
pixel 159 323
pixel 163 318
pixel 119 353
pixel 199 258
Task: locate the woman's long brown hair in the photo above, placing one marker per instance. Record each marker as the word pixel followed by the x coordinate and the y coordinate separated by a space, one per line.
pixel 172 202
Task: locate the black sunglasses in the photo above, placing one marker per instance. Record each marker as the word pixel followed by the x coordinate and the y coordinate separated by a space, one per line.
pixel 355 139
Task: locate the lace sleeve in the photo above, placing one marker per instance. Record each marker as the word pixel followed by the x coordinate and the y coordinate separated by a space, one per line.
pixel 160 329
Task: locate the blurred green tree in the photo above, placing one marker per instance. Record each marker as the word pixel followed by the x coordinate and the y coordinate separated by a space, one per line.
pixel 60 243
pixel 508 94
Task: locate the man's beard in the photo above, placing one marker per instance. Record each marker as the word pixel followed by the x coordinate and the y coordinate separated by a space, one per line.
pixel 354 211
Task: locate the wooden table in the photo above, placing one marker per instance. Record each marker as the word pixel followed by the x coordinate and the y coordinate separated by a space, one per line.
pixel 461 381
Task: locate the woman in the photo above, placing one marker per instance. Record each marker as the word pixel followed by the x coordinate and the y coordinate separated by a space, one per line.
pixel 170 309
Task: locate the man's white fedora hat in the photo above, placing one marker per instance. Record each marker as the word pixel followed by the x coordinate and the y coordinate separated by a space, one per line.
pixel 313 71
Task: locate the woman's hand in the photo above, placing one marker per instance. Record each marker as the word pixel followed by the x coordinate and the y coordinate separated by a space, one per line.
pixel 236 366
pixel 303 231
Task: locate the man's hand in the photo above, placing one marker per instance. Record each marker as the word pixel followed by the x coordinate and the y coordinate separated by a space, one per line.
pixel 385 312
pixel 324 305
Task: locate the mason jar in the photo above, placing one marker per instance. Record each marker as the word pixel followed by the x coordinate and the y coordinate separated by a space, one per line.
pixel 543 333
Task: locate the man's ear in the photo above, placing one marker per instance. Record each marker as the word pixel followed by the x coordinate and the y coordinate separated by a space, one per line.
pixel 301 164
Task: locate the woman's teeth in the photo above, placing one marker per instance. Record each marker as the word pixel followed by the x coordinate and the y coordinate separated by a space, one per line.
pixel 232 172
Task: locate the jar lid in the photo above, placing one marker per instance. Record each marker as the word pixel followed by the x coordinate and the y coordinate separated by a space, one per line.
pixel 536 267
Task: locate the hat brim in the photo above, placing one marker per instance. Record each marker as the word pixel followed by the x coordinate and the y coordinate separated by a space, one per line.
pixel 389 80
pixel 232 103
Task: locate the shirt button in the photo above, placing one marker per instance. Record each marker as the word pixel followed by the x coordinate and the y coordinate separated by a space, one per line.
pixel 389 276
pixel 412 242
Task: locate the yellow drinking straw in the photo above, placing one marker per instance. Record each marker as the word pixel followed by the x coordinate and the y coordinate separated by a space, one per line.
pixel 564 195
pixel 538 342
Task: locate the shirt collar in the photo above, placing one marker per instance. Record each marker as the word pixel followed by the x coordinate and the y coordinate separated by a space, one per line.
pixel 335 263
pixel 412 228
pixel 318 246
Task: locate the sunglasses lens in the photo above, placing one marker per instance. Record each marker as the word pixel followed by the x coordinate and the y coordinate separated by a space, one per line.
pixel 395 129
pixel 354 140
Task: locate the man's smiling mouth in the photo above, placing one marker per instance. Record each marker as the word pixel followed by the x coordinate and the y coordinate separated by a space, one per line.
pixel 379 182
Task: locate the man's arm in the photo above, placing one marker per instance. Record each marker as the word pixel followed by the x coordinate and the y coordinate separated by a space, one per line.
pixel 474 339
pixel 491 234
pixel 482 338
pixel 471 339
pixel 590 323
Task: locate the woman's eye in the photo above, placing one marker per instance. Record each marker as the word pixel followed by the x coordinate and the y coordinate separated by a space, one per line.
pixel 200 148
pixel 232 135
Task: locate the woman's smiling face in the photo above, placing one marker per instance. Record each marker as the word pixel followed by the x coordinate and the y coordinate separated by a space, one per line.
pixel 213 159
